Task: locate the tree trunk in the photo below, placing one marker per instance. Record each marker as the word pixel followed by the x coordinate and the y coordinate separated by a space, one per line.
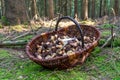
pixel 70 4
pixel 100 15
pixel 116 7
pixel 65 8
pixel 75 8
pixel 45 5
pixel 2 8
pixel 93 9
pixel 51 9
pixel 33 8
pixel 104 8
pixel 85 9
pixel 15 11
pixel 90 8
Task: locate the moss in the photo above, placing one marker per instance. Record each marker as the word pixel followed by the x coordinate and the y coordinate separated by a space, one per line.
pixel 107 25
pixel 102 41
pixel 97 66
pixel 4 54
pixel 97 50
pixel 116 42
pixel 25 69
pixel 105 33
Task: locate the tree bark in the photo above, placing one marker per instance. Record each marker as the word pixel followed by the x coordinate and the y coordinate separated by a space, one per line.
pixel 15 11
pixel 51 9
pixel 85 9
pixel 93 9
pixel 65 8
pixel 90 8
pixel 75 8
pixel 2 8
pixel 33 8
pixel 116 7
pixel 104 8
pixel 70 4
pixel 100 14
pixel 45 6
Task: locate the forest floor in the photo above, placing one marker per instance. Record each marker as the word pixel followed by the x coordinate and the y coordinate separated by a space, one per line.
pixel 102 64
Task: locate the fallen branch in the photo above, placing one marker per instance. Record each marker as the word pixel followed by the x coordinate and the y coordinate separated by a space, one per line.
pixel 13 43
pixel 25 34
pixel 108 40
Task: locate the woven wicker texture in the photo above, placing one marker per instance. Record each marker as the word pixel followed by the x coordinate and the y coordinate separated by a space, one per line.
pixel 66 61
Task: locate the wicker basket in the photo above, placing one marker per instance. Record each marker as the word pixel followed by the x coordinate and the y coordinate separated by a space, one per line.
pixel 66 61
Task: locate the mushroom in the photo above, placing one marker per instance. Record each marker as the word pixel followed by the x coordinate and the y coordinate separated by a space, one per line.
pixel 59 46
pixel 68 47
pixel 48 57
pixel 74 44
pixel 64 37
pixel 60 52
pixel 64 54
pixel 47 43
pixel 39 50
pixel 39 56
pixel 35 54
pixel 56 36
pixel 45 46
pixel 38 46
pixel 94 39
pixel 70 52
pixel 87 39
pixel 52 38
pixel 53 55
pixel 53 49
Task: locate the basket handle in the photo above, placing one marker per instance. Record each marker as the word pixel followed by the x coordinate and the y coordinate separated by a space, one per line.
pixel 77 25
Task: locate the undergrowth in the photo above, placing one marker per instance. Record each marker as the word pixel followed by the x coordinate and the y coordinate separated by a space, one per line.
pixel 99 65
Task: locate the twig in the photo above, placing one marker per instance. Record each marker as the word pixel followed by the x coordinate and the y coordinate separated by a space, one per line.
pixel 7 37
pixel 112 36
pixel 114 14
pixel 108 40
pixel 22 35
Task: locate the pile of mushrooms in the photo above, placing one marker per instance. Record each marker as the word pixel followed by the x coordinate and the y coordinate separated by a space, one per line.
pixel 60 45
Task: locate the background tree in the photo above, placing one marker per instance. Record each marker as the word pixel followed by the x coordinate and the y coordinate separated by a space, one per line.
pixel 45 7
pixel 116 7
pixel 15 11
pixel 33 8
pixel 85 9
pixel 51 9
pixel 75 8
pixel 104 7
pixel 93 9
pixel 100 14
pixel 81 9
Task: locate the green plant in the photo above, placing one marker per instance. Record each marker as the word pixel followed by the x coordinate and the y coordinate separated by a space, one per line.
pixel 96 51
pixel 107 25
pixel 102 41
pixel 116 42
pixel 4 20
pixel 1 26
pixel 27 37
pixel 105 33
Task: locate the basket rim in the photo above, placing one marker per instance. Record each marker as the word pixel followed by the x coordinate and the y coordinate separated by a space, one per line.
pixel 61 57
